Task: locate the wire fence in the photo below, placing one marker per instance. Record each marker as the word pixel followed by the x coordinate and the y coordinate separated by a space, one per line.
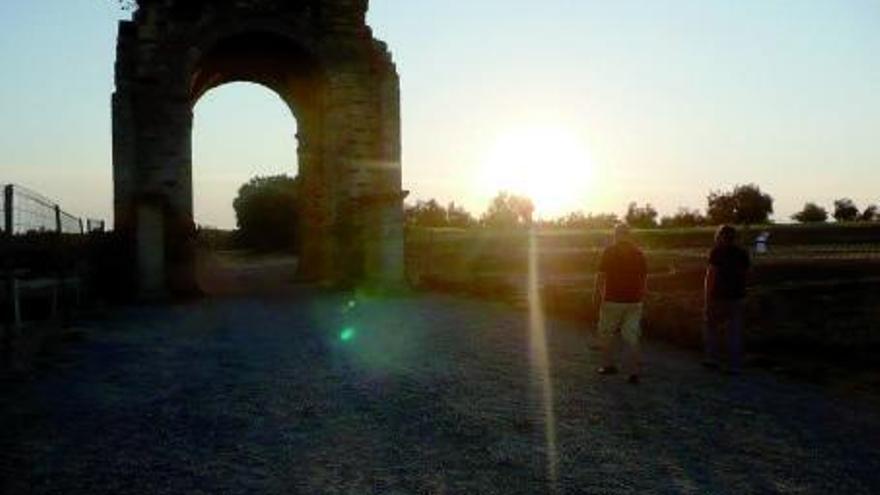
pixel 93 225
pixel 23 211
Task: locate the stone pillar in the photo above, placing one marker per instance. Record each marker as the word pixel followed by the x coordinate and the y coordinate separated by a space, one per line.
pixel 383 241
pixel 316 202
pixel 362 126
pixel 165 177
pixel 150 242
pixel 391 265
pixel 124 131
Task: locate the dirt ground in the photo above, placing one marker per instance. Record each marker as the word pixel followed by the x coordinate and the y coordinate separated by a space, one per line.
pixel 327 393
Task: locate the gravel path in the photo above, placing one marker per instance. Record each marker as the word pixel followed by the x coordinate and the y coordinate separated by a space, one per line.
pixel 422 395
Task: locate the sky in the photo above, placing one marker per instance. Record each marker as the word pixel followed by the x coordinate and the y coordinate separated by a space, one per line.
pixel 587 105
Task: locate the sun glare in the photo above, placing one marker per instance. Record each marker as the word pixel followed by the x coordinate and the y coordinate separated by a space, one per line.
pixel 549 165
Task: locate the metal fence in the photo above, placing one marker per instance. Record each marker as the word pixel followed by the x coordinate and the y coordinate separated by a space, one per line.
pixel 93 225
pixel 24 211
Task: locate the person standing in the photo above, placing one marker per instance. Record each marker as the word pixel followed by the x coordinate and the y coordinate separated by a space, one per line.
pixel 620 289
pixel 725 292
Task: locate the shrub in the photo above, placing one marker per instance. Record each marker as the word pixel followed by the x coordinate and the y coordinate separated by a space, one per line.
pixel 267 213
pixel 812 213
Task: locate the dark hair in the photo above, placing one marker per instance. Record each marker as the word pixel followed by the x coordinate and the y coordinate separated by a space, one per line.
pixel 726 234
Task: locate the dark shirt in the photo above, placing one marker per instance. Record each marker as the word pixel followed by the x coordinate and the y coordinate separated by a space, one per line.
pixel 731 268
pixel 625 271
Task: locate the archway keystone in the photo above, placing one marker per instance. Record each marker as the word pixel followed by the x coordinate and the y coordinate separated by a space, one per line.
pixel 342 87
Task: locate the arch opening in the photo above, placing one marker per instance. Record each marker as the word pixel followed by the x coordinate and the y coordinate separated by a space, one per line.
pixel 240 131
pixel 243 78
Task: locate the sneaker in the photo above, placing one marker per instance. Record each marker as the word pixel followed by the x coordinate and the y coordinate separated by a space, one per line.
pixel 607 370
pixel 633 379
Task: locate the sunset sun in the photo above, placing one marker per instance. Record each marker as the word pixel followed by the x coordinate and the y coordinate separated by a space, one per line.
pixel 549 165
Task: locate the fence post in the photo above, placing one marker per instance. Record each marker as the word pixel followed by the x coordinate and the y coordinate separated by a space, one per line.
pixel 81 228
pixel 7 209
pixel 9 308
pixel 57 219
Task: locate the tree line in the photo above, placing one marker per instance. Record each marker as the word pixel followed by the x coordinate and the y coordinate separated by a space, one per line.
pixel 743 205
pixel 844 210
pixel 266 209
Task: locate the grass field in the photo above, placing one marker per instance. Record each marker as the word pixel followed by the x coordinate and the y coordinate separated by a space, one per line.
pixel 814 294
pixel 459 256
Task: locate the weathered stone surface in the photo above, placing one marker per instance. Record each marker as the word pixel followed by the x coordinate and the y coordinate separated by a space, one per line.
pixel 339 82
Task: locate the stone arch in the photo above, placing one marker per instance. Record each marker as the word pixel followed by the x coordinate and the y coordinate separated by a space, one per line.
pixel 339 82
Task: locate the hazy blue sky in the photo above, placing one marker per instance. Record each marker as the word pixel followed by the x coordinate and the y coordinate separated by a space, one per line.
pixel 665 100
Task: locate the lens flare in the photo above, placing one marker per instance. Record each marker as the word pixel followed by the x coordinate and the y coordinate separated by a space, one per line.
pixel 347 334
pixel 540 361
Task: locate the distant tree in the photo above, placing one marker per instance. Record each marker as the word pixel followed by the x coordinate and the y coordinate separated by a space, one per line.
pixel 508 210
pixel 721 208
pixel 684 218
pixel 602 220
pixel 127 4
pixel 752 205
pixel 845 210
pixel 426 214
pixel 812 213
pixel 430 213
pixel 214 239
pixel 641 217
pixel 456 216
pixel 266 211
pixel 577 220
pixel 870 214
pixel 746 204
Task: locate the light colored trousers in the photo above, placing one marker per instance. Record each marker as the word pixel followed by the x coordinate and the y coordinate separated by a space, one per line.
pixel 623 318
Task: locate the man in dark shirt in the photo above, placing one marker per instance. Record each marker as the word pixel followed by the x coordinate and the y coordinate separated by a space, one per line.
pixel 725 289
pixel 619 291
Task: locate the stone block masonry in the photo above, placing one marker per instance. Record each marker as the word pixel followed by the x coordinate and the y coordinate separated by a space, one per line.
pixel 341 85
